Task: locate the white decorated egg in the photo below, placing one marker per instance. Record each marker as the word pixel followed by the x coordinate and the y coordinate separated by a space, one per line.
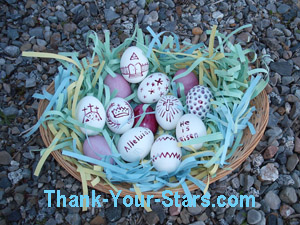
pixel 165 154
pixel 134 65
pixel 119 115
pixel 168 111
pixel 135 144
pixel 153 87
pixel 90 111
pixel 198 101
pixel 189 127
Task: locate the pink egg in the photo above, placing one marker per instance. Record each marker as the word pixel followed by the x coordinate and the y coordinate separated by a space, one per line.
pixel 96 144
pixel 118 83
pixel 188 81
pixel 149 120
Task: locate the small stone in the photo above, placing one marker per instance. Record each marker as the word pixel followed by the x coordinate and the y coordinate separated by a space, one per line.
pixel 5 158
pixel 151 218
pixel 73 219
pixel 184 216
pixel 110 15
pixel 36 32
pixel 292 98
pixel 272 200
pixel 170 26
pixel 272 43
pixel 10 111
pixel 217 15
pixel 12 51
pixel 286 211
pixel 4 182
pixel 197 31
pixel 15 176
pixel 270 152
pixel 98 220
pixel 292 162
pixel 93 9
pixel 153 16
pixel 295 112
pixel 283 8
pixel 26 46
pixel 297 207
pixel 61 16
pixel 15 130
pixel 296 180
pixel 141 3
pixel 297 61
pixel 283 68
pixel 14 216
pixel 268 173
pixel 55 40
pixel 80 14
pixel 287 54
pixel 195 210
pixel 174 210
pixel 244 38
pixel 19 198
pixel 203 37
pixel 51 221
pixel 253 216
pixel 235 183
pixel 288 195
pixel 249 181
pixel 113 213
pixel 69 28
pixel 285 180
pixel 297 145
pixel 41 42
pixel 159 211
pixel 240 217
pixel 30 82
pixel 257 160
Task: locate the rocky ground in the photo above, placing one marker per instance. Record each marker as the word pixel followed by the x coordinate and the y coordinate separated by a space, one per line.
pixel 272 173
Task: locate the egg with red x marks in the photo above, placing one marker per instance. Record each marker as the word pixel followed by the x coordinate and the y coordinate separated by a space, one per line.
pixel 153 87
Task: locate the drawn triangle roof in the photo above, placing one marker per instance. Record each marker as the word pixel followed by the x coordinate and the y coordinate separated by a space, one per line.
pixel 134 56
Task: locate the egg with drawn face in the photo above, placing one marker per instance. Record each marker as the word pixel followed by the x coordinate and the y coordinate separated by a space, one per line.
pixel 168 111
pixel 90 111
pixel 119 115
pixel 153 87
pixel 134 65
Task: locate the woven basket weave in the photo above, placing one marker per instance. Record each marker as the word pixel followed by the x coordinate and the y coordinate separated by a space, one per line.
pixel 259 120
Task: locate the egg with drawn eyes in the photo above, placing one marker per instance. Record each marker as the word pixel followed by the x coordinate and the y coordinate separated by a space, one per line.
pixel 90 111
pixel 198 101
pixel 134 65
pixel 168 111
pixel 153 87
pixel 119 115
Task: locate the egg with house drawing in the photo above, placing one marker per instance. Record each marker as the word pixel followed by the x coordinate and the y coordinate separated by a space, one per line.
pixel 90 111
pixel 153 87
pixel 119 115
pixel 165 154
pixel 134 65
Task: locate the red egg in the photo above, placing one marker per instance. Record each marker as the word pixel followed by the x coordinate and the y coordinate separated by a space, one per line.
pixel 188 81
pixel 118 83
pixel 149 120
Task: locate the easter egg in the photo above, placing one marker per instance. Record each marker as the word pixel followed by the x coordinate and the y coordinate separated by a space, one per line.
pixel 96 145
pixel 119 115
pixel 149 120
pixel 118 83
pixel 165 154
pixel 188 81
pixel 134 65
pixel 189 127
pixel 168 111
pixel 153 87
pixel 135 144
pixel 198 101
pixel 90 111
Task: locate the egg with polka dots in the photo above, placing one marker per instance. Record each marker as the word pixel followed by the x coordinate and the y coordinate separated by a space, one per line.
pixel 198 101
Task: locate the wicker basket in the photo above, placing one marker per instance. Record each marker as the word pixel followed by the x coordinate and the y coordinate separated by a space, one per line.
pixel 259 120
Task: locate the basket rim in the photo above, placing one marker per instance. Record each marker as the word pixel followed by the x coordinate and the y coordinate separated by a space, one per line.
pixel 158 194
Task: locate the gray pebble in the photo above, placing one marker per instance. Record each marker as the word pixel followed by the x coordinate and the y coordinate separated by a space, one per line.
pixel 272 200
pixel 12 51
pixel 288 195
pixel 253 216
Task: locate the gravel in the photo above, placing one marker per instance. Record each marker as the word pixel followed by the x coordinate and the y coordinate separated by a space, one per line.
pixel 271 173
